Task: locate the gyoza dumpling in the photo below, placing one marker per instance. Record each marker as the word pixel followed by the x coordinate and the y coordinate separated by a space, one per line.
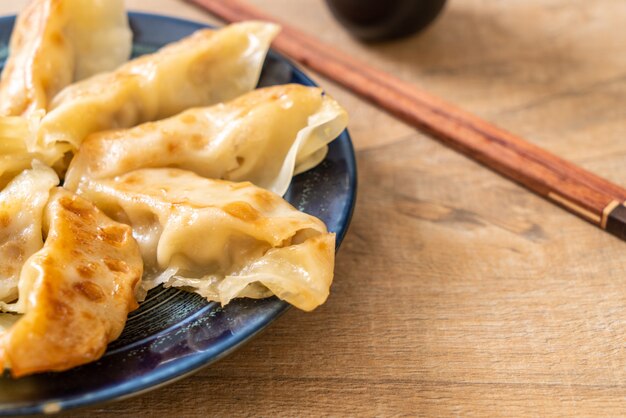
pixel 56 42
pixel 17 135
pixel 76 291
pixel 207 67
pixel 21 211
pixel 264 136
pixel 221 239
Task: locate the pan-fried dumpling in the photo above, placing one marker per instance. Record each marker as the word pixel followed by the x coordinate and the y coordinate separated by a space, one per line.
pixel 17 142
pixel 56 42
pixel 205 68
pixel 21 211
pixel 77 290
pixel 264 136
pixel 220 239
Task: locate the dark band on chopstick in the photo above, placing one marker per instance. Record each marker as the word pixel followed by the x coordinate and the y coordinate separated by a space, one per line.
pixel 616 222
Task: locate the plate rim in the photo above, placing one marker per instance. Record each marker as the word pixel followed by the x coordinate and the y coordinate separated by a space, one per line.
pixel 187 366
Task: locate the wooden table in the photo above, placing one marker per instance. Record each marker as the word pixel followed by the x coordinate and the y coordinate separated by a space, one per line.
pixel 456 291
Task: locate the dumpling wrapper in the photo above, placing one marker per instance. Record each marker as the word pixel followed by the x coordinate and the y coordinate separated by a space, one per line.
pixel 265 136
pixel 22 205
pixel 208 67
pixel 77 290
pixel 220 239
pixel 56 42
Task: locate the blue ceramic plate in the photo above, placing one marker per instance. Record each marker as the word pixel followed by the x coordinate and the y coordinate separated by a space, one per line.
pixel 175 333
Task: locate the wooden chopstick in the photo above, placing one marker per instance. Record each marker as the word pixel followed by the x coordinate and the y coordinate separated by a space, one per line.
pixel 581 192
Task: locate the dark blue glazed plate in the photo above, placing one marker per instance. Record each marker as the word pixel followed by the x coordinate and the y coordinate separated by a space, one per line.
pixel 175 333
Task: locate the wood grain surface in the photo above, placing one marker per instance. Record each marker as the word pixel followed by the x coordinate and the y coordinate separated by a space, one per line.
pixel 446 303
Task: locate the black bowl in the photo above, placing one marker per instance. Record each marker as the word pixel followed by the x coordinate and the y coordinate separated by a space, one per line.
pixel 376 20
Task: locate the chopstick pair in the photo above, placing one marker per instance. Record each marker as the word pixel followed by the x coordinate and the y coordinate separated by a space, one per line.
pixel 583 193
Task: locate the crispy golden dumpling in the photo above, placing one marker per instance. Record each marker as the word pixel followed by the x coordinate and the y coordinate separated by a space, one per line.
pixel 207 67
pixel 264 136
pixel 22 204
pixel 56 42
pixel 18 150
pixel 77 290
pixel 220 239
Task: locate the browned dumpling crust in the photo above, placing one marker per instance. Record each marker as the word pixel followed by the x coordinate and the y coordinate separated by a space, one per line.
pixel 79 289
